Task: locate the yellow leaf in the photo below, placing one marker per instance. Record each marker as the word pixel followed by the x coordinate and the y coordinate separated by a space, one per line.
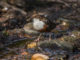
pixel 32 45
pixel 62 39
pixel 39 56
pixel 61 58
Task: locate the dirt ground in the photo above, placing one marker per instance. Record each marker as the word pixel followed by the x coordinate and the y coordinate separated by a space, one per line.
pixel 60 41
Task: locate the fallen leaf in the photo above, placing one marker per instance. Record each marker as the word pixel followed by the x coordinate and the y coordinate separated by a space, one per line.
pixel 32 45
pixel 24 53
pixel 39 56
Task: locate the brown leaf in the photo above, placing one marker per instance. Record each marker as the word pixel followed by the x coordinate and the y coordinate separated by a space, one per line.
pixel 39 56
pixel 32 45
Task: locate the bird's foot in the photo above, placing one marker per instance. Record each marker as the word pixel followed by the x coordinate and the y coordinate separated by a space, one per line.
pixel 50 37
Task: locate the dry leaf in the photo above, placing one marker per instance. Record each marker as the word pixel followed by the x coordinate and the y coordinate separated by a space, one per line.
pixel 39 56
pixel 32 45
pixel 24 53
pixel 62 39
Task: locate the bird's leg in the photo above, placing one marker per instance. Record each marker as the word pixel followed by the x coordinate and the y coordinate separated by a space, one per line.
pixel 37 40
pixel 50 36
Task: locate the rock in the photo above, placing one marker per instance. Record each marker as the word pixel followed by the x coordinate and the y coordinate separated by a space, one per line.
pixel 28 28
pixel 75 57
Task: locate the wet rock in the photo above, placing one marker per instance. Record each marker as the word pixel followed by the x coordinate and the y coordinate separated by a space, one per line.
pixel 77 43
pixel 75 57
pixel 15 23
pixel 28 28
pixel 66 42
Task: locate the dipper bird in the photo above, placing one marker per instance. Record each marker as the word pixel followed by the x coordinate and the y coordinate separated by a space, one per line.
pixel 39 24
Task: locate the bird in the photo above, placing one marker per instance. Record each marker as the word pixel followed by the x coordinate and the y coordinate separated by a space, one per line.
pixel 35 27
pixel 39 24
